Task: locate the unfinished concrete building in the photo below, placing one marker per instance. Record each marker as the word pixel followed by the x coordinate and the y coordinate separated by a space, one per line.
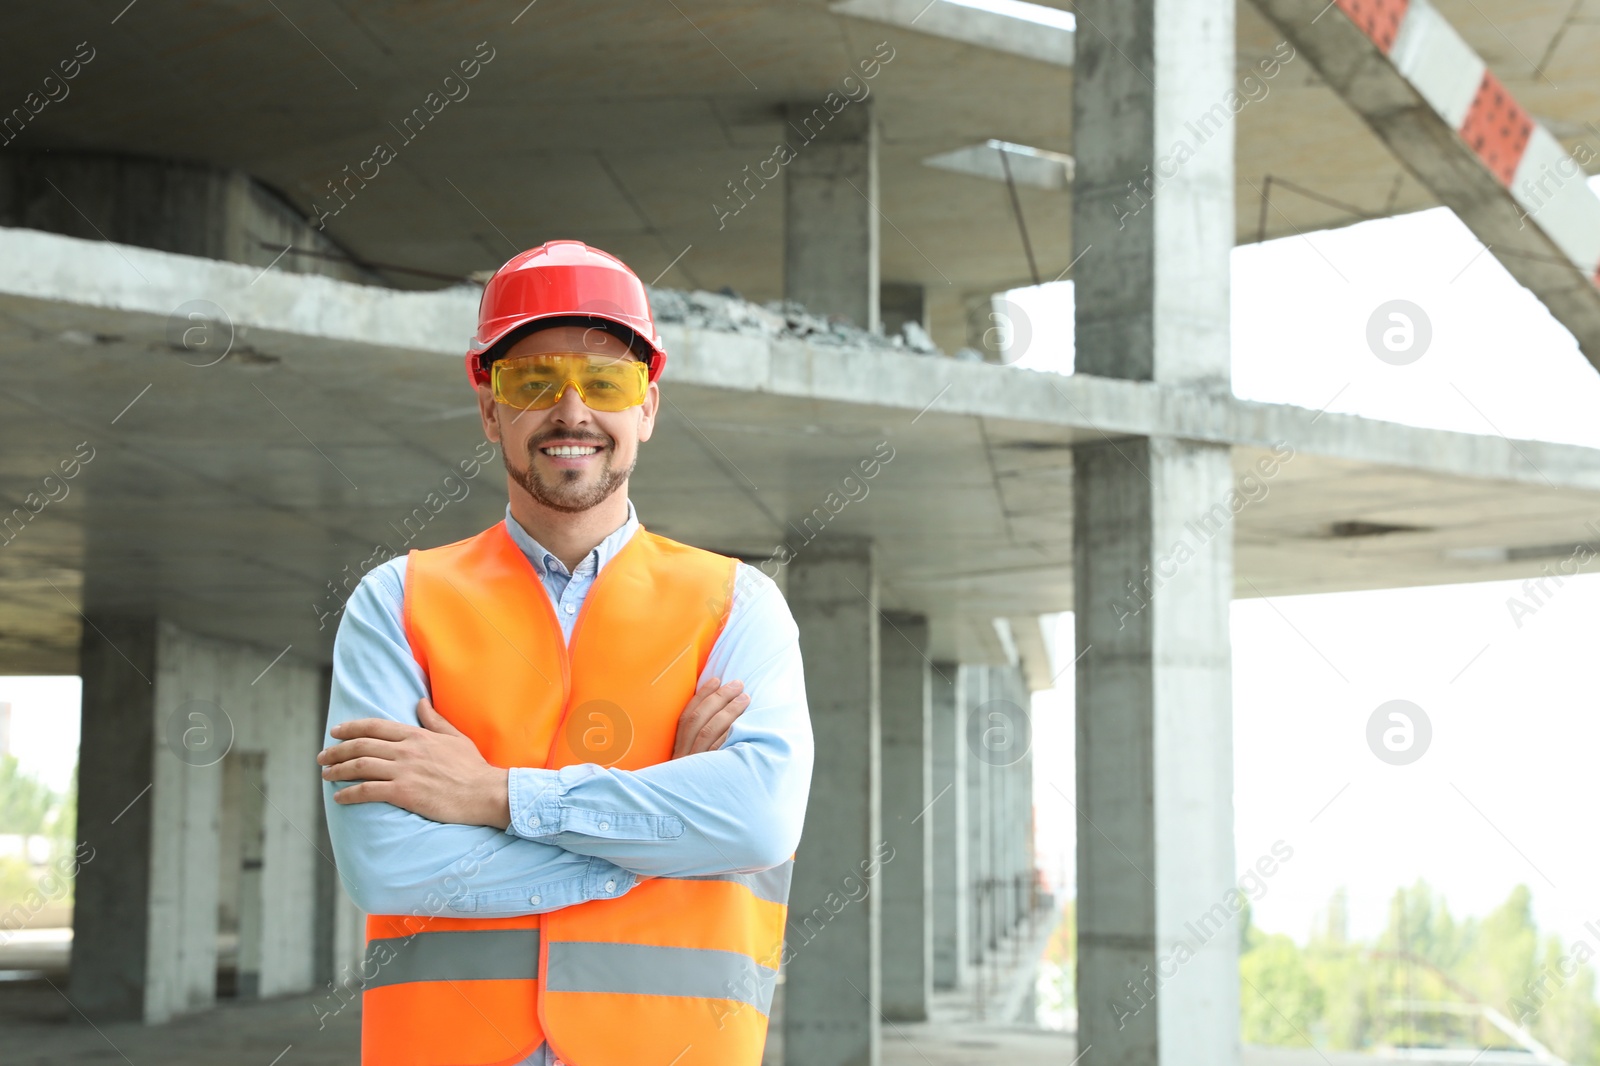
pixel 237 276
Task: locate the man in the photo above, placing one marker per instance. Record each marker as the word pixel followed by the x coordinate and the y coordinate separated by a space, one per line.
pixel 571 837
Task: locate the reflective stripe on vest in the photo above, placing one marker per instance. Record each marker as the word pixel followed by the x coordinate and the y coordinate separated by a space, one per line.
pixel 677 970
pixel 465 955
pixel 771 885
pixel 629 969
pixel 647 970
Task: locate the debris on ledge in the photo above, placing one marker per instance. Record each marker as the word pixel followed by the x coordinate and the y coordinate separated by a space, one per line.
pixel 782 318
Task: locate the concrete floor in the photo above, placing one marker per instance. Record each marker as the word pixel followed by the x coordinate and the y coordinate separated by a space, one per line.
pixel 38 1032
pixel 40 1027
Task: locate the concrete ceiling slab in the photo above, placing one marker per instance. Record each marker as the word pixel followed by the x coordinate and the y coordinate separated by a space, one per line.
pixel 623 125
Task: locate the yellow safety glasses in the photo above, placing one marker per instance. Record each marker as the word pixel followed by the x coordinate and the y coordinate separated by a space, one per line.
pixel 604 382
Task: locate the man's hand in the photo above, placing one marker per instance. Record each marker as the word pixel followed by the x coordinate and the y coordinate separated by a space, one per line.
pixel 706 722
pixel 435 771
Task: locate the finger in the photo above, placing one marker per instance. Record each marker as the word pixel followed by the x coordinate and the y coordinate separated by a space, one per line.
pixel 723 739
pixel 361 746
pixel 708 703
pixel 718 724
pixel 712 701
pixel 381 728
pixel 434 721
pixel 692 715
pixel 364 769
pixel 706 688
pixel 364 792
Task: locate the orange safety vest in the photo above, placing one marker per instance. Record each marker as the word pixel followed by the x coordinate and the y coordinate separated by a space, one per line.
pixel 677 970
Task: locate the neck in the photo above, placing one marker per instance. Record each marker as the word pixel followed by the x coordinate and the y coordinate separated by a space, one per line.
pixel 569 535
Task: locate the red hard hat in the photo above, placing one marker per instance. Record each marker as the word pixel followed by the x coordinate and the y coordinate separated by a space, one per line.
pixel 563 279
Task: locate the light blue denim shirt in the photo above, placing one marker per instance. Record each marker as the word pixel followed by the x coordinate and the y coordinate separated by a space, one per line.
pixel 583 832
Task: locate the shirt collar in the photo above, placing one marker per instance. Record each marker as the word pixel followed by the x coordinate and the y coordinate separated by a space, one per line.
pixel 542 559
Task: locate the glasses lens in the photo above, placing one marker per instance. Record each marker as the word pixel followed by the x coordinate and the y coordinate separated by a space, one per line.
pixel 604 383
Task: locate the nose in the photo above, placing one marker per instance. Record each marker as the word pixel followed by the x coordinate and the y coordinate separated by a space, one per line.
pixel 569 406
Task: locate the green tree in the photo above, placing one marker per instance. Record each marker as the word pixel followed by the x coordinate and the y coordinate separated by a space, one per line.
pixel 26 804
pixel 63 824
pixel 1278 996
pixel 1424 981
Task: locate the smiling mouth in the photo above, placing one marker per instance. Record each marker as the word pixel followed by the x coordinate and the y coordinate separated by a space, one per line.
pixel 570 451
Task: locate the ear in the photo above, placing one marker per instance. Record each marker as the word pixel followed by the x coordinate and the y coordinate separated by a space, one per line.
pixel 647 417
pixel 488 411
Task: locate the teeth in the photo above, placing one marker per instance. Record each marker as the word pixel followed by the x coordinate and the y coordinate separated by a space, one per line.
pixel 570 449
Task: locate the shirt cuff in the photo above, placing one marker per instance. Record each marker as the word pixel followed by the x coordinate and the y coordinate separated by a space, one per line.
pixel 600 880
pixel 541 808
pixel 534 796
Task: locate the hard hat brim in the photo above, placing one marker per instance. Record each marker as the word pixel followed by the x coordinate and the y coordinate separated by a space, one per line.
pixel 508 330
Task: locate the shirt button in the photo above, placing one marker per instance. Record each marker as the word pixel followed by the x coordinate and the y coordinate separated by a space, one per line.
pixel 570 608
pixel 533 900
pixel 604 826
pixel 611 886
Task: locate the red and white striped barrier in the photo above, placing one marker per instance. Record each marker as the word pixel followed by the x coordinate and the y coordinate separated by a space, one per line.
pixel 1407 71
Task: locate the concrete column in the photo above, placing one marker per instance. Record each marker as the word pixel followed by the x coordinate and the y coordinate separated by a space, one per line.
pixel 327 892
pixel 111 914
pixel 161 710
pixel 242 814
pixel 1152 586
pixel 974 690
pixel 947 318
pixel 907 825
pixel 952 890
pixel 900 302
pixel 832 972
pixel 1023 834
pixel 830 217
pixel 986 329
pixel 1152 293
pixel 339 928
pixel 1002 822
pixel 281 718
pixel 1008 827
pixel 1154 755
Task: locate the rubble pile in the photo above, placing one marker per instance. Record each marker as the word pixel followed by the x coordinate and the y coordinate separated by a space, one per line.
pixel 779 318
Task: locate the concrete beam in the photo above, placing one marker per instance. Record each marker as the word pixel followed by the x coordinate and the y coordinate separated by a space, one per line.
pixel 128 292
pixel 1445 115
pixel 1478 507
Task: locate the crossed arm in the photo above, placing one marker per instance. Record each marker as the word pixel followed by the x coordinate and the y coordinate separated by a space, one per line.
pixel 426 826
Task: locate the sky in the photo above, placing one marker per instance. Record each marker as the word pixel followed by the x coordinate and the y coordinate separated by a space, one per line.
pixel 1506 791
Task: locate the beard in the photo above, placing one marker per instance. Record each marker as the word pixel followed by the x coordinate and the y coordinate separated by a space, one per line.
pixel 565 491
